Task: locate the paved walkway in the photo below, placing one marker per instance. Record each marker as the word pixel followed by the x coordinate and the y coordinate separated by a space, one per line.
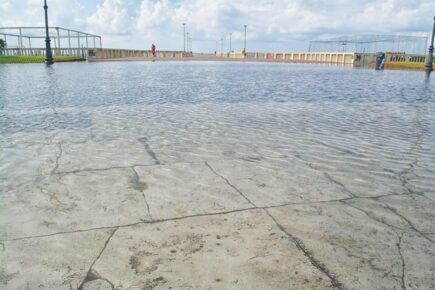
pixel 207 224
pixel 238 201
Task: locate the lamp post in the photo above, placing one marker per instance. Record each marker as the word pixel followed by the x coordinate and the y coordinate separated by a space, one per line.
pixel 343 44
pixel 230 41
pixel 187 39
pixel 48 53
pixel 222 46
pixel 184 37
pixel 244 43
pixel 429 57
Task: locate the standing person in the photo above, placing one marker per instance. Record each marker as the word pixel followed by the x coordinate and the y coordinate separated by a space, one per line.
pixel 153 50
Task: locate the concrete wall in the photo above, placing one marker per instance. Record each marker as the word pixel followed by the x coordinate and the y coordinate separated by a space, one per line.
pixel 345 58
pixel 107 53
pixel 341 58
pixel 368 59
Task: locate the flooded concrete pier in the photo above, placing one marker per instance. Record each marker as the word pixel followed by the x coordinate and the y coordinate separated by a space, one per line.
pixel 131 182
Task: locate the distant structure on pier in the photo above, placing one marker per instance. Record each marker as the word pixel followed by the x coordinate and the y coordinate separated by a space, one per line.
pixel 370 43
pixel 63 40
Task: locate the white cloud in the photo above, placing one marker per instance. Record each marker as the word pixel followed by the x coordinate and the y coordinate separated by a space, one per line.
pixel 111 17
pixel 61 13
pixel 5 7
pixel 272 24
pixel 154 14
pixel 280 20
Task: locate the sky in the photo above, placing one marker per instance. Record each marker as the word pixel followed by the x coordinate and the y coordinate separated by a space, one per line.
pixel 272 25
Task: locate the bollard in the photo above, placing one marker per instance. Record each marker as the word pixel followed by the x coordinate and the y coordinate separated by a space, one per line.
pixel 380 61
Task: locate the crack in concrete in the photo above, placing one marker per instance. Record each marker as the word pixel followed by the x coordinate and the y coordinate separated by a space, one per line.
pixel 94 275
pixel 344 187
pixel 90 274
pixel 101 169
pixel 113 167
pixel 399 248
pixel 54 199
pixel 148 149
pixel 59 155
pixel 397 244
pixel 155 221
pixel 411 225
pixel 326 174
pixel 140 187
pixel 368 214
pixel 229 183
pixel 296 241
pixel 415 150
pixel 301 247
pixel 401 176
pixel 183 217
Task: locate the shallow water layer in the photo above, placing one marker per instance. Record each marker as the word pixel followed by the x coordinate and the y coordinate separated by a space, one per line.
pixel 334 156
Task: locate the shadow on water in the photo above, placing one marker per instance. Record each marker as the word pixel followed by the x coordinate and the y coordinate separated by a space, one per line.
pixel 427 78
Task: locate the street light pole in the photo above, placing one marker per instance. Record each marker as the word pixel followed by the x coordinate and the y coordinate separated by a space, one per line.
pixel 429 57
pixel 244 44
pixel 222 46
pixel 48 52
pixel 187 41
pixel 230 41
pixel 184 37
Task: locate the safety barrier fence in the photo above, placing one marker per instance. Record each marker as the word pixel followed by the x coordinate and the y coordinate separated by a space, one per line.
pixel 99 53
pixel 340 58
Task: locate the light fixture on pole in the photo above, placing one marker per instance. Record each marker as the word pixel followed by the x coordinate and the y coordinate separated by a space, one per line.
pixel 230 41
pixel 187 41
pixel 429 58
pixel 48 52
pixel 184 37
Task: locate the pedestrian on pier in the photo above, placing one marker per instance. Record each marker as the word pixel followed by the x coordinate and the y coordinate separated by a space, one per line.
pixel 153 49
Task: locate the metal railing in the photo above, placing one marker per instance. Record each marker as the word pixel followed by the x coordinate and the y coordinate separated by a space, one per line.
pixel 104 53
pixel 80 52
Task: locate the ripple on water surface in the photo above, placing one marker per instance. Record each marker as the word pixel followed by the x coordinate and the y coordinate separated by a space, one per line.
pixel 343 158
pixel 368 129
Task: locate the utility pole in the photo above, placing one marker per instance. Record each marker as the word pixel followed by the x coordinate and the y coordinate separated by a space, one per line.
pixel 184 37
pixel 343 44
pixel 222 46
pixel 230 41
pixel 48 52
pixel 429 58
pixel 244 43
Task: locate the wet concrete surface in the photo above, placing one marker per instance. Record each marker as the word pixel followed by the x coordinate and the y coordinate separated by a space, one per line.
pixel 265 195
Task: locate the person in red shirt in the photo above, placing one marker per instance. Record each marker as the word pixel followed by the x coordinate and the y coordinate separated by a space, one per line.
pixel 153 50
